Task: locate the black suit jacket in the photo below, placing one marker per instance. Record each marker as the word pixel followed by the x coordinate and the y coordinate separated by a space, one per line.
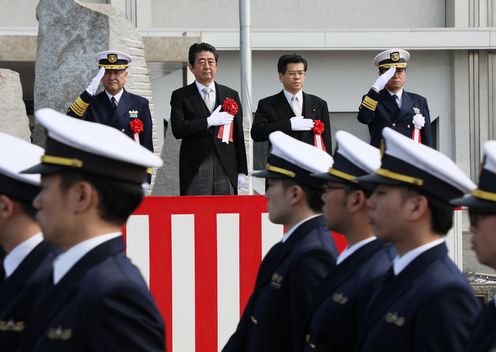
pixel 388 114
pixel 288 277
pixel 429 306
pixel 100 110
pixel 483 336
pixel 274 112
pixel 333 320
pixel 19 292
pixel 101 304
pixel 189 123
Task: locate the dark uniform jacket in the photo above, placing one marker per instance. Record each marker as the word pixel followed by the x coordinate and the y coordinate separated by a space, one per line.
pixel 386 113
pixel 189 123
pixel 429 306
pixel 274 114
pixel 483 336
pixel 101 304
pixel 19 292
pixel 99 109
pixel 288 277
pixel 336 309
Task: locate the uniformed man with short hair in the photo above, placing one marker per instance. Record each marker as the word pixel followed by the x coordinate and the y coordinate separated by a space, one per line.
pixel 332 324
pixel 387 104
pixel 97 300
pixel 294 268
pixel 423 303
pixel 481 205
pixel 115 106
pixel 28 259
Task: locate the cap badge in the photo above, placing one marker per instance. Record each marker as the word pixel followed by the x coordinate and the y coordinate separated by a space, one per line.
pixel 395 56
pixel 112 58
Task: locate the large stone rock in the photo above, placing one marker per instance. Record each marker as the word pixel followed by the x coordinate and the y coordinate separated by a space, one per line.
pixel 13 117
pixel 70 33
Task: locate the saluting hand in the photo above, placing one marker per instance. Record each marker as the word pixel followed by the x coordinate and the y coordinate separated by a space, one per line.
pixel 381 82
pixel 95 81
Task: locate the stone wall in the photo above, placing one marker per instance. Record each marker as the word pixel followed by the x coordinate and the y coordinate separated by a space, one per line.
pixel 13 118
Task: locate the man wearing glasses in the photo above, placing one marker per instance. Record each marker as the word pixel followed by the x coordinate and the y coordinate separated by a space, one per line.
pixel 482 211
pixel 291 110
pixel 387 104
pixel 332 324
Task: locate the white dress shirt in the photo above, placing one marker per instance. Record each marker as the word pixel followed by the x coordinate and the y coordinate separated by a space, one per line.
pixel 117 96
pixel 64 262
pixel 290 232
pixel 399 99
pixel 200 87
pixel 289 96
pixel 350 250
pixel 402 262
pixel 21 251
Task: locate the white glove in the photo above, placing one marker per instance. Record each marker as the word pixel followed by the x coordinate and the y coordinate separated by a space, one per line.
pixel 242 181
pixel 298 123
pixel 95 81
pixel 381 82
pixel 219 118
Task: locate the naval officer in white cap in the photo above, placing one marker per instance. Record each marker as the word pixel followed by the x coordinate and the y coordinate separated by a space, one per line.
pixel 424 303
pixel 332 324
pixel 481 205
pixel 28 257
pixel 294 268
pixel 97 300
pixel 387 104
pixel 115 106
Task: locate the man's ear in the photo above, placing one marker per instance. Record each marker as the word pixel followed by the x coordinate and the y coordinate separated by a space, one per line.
pixel 417 206
pixel 7 207
pixel 83 195
pixel 356 201
pixel 295 194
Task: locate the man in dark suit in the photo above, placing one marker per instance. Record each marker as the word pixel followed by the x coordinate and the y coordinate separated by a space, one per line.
pixel 28 258
pixel 387 104
pixel 210 162
pixel 423 303
pixel 96 299
pixel 294 268
pixel 332 324
pixel 115 106
pixel 292 111
pixel 482 214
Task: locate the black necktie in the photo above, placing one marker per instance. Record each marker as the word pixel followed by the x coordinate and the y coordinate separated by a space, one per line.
pixel 114 103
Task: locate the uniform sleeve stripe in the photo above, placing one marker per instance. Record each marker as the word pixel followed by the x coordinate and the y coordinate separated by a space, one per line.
pixel 369 103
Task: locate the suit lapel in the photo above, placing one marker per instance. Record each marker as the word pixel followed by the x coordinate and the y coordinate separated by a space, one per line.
pixel 196 100
pixel 348 268
pixel 290 243
pixel 56 297
pixel 123 107
pixel 406 107
pixel 282 107
pixel 392 290
pixel 389 104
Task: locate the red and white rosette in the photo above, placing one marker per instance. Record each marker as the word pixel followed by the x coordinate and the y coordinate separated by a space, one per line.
pixel 226 131
pixel 418 122
pixel 136 126
pixel 318 129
